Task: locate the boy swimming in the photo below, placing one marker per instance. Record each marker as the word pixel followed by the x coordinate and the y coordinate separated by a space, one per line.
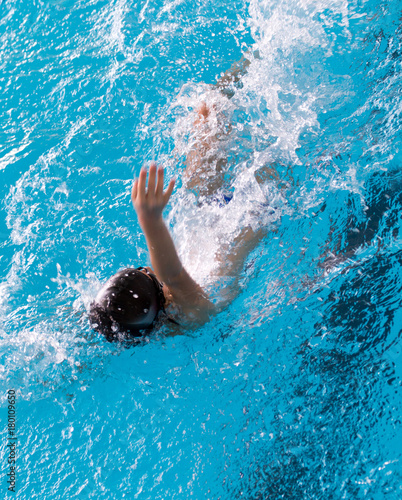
pixel 131 301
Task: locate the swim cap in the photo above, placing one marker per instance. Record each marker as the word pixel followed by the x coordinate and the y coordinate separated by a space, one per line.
pixel 128 303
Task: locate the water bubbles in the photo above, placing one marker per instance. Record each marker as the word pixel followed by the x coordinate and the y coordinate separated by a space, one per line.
pixel 275 143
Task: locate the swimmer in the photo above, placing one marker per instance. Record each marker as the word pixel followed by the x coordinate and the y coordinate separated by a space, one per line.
pixel 132 301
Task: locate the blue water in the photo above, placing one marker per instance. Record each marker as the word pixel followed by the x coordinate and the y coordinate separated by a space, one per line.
pixel 294 390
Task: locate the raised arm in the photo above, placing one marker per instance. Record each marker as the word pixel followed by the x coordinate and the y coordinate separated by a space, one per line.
pixel 149 204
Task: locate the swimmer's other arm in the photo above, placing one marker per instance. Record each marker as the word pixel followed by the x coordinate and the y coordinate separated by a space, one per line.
pixel 149 203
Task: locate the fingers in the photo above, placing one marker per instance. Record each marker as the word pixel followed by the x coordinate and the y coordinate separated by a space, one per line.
pixel 134 191
pixel 156 176
pixel 169 191
pixel 152 178
pixel 142 184
pixel 159 187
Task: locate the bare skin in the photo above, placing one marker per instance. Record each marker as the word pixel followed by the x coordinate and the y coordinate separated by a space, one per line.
pixel 204 169
pixel 149 202
pixel 203 174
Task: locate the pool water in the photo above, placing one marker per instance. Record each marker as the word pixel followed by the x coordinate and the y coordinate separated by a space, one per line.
pixel 292 391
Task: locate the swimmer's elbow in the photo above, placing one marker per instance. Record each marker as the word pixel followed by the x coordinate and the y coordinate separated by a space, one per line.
pixel 201 312
pixel 190 297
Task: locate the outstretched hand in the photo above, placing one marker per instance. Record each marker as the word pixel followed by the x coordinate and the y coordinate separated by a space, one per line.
pixel 150 202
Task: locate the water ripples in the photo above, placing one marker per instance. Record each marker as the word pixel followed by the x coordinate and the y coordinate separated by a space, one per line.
pixel 293 390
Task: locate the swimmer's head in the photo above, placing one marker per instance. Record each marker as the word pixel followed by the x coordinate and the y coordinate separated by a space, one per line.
pixel 127 304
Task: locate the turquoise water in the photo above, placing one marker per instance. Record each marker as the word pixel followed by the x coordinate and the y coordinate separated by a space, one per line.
pixel 293 391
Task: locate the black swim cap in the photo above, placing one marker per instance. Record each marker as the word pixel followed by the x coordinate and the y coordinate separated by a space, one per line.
pixel 128 303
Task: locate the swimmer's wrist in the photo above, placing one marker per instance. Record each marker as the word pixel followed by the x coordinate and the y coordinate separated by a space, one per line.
pixel 149 221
